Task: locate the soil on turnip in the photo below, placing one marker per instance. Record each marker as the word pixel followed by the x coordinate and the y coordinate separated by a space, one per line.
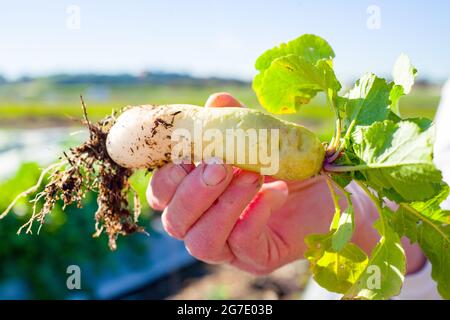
pixel 85 168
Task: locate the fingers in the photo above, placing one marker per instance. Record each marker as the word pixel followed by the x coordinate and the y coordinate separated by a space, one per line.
pixel 253 220
pixel 194 195
pixel 222 99
pixel 251 231
pixel 165 180
pixel 164 183
pixel 206 240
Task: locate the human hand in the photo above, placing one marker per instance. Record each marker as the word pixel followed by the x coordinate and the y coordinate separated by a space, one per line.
pixel 228 215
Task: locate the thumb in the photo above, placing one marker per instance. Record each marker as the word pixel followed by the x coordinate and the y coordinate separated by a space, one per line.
pixel 254 219
pixel 222 99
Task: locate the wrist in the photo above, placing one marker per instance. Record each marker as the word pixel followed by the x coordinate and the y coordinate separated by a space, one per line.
pixel 366 236
pixel 415 259
pixel 365 216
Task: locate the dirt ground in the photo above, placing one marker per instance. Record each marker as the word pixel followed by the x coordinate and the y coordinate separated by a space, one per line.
pixel 226 282
pixel 220 282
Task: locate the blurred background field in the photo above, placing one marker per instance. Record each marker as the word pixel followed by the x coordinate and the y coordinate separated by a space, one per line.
pixel 156 52
pixel 54 100
pixel 37 120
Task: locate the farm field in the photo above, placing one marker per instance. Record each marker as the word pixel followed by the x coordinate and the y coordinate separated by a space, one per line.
pixel 37 107
pixel 38 104
pixel 123 176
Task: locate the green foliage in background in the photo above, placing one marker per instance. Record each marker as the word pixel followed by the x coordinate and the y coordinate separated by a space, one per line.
pixel 40 103
pixel 41 260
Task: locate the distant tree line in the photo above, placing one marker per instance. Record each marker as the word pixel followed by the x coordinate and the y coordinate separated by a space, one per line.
pixel 155 78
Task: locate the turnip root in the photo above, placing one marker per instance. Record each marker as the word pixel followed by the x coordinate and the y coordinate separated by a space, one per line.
pixel 144 137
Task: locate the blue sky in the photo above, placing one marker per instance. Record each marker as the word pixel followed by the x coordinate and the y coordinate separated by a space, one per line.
pixel 217 37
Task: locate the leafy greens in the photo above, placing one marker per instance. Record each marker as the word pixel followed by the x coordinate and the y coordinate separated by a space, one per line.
pixel 388 156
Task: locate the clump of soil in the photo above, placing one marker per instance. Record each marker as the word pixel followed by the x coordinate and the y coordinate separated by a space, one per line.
pixel 85 168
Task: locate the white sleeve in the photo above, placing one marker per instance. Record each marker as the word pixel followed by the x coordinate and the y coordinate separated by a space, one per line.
pixel 442 145
pixel 417 286
pixel 420 285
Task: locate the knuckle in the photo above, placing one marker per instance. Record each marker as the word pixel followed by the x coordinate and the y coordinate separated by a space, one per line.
pixel 201 250
pixel 225 204
pixel 262 271
pixel 259 267
pixel 237 238
pixel 186 199
pixel 157 194
pixel 153 201
pixel 171 226
pixel 198 253
pixel 159 177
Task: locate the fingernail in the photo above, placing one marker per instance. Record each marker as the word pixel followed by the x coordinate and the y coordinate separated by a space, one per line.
pixel 248 178
pixel 213 174
pixel 177 173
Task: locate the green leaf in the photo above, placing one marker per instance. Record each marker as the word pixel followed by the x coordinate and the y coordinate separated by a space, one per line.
pixel 292 81
pixel 431 208
pixel 384 275
pixel 396 93
pixel 293 73
pixel 335 271
pixel 342 225
pixel 428 224
pixel 404 73
pixel 397 159
pixel 344 230
pixel 367 102
pixel 343 179
pixel 308 46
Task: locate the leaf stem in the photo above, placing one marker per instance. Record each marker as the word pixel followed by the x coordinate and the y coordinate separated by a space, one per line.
pixel 376 201
pixel 334 196
pixel 334 143
pixel 333 168
pixel 346 137
pixel 337 140
pixel 420 216
pixel 334 156
pixel 337 208
pixel 345 192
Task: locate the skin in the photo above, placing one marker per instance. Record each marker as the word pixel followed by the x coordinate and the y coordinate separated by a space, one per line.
pixel 255 223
